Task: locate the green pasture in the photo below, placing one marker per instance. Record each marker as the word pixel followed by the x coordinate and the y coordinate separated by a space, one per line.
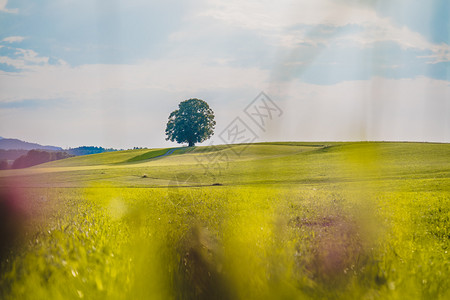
pixel 353 220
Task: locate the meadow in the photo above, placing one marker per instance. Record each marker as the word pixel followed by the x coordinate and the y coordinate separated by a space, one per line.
pixel 355 220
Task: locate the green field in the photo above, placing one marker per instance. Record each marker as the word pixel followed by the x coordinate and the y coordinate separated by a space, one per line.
pixel 355 220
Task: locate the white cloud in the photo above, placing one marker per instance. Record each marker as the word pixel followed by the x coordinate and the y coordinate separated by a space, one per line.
pixel 25 59
pixel 87 81
pixel 31 56
pixel 441 54
pixel 384 31
pixel 266 14
pixel 3 8
pixel 278 20
pixel 13 39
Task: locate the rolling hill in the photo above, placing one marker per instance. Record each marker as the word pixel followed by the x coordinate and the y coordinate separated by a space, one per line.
pixel 409 165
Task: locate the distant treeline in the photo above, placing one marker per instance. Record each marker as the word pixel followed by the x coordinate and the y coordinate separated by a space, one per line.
pixel 86 150
pixel 24 158
pixel 36 157
pixel 11 154
pixel 4 165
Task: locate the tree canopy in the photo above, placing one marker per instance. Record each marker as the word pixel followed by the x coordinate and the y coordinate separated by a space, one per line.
pixel 193 122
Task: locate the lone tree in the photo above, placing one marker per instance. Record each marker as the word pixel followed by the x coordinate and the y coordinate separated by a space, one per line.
pixel 193 122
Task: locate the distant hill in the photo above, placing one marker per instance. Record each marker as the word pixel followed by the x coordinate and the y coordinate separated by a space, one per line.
pixel 15 144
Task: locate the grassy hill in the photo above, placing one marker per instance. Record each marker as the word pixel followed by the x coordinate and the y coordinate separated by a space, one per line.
pixel 321 164
pixel 260 221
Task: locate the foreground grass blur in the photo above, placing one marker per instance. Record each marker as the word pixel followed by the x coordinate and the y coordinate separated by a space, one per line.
pixel 350 221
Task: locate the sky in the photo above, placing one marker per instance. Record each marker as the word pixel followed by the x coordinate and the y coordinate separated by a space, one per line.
pixel 108 73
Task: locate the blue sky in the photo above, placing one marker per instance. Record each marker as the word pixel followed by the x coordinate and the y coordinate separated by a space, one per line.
pixel 109 73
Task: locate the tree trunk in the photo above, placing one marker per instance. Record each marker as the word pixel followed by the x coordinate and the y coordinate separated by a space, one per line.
pixel 191 144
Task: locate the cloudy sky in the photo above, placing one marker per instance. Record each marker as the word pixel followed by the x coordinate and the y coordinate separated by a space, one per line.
pixel 109 72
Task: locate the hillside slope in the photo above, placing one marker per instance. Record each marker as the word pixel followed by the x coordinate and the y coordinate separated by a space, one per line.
pixel 417 166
